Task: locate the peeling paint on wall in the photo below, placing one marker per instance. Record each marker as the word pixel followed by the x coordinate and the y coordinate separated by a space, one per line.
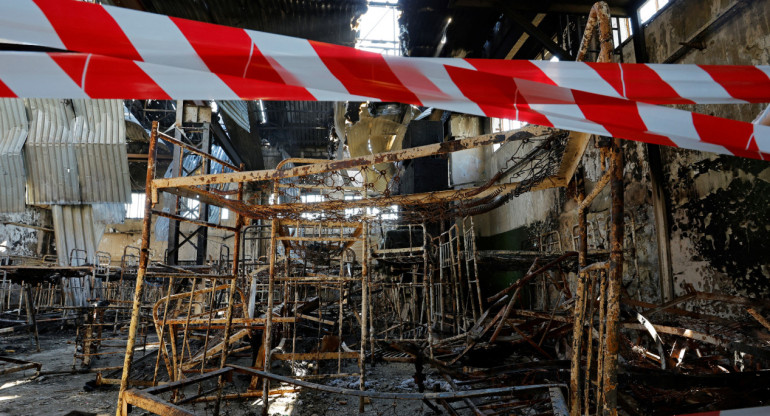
pixel 23 241
pixel 718 212
pixel 721 224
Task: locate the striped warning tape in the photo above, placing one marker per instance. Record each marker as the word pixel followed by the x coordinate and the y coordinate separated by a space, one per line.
pixel 121 53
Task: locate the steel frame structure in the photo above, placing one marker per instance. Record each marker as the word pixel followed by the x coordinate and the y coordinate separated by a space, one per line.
pixel 203 187
pixel 600 278
pixel 412 293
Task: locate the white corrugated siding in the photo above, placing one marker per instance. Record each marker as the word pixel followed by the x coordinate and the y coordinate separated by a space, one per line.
pixel 76 152
pixel 50 155
pixel 13 134
pixel 77 227
pixel 100 131
pixel 237 110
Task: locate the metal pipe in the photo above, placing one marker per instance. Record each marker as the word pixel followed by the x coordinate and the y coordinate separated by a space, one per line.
pixel 390 395
pixel 304 160
pixel 231 298
pixel 600 350
pixel 428 283
pixel 577 333
pixel 143 261
pixel 162 337
pixel 267 342
pixel 186 327
pixel 208 327
pixel 364 319
pixel 600 13
pixel 334 165
pixel 191 221
pixel 590 299
pixel 614 288
pixel 29 304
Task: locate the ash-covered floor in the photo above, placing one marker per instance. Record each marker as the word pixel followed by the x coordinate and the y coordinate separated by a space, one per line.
pixel 23 393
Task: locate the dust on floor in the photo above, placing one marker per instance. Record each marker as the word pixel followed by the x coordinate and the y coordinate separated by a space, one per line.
pixel 23 394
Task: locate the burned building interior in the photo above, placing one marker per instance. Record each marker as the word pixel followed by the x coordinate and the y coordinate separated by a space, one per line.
pixel 308 243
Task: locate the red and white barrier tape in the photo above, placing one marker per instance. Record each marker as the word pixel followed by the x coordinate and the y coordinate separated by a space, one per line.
pixel 121 53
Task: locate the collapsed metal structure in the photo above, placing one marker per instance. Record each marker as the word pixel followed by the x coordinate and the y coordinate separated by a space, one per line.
pixel 317 265
pixel 332 221
pixel 352 271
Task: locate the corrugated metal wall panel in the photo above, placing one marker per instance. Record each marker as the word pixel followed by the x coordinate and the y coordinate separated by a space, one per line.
pixel 78 227
pixel 77 152
pixel 76 161
pixel 102 148
pixel 238 111
pixel 12 170
pixel 51 155
pixel 13 135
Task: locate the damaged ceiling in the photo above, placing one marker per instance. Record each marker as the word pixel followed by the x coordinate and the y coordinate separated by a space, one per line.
pixel 495 29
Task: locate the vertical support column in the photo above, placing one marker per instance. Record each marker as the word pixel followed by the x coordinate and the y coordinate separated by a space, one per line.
pixel 144 258
pixel 614 282
pixel 340 319
pixel 268 339
pixel 640 44
pixel 231 296
pixel 367 257
pixel 203 209
pixel 659 201
pixel 177 167
pixel 364 316
pixel 427 280
pixel 579 313
pixel 29 304
pixel 599 17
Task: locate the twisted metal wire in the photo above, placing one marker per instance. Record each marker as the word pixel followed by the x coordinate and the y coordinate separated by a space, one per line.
pixel 532 161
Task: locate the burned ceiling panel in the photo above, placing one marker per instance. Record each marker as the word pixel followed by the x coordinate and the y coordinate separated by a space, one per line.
pixel 490 28
pixel 294 125
pixel 426 23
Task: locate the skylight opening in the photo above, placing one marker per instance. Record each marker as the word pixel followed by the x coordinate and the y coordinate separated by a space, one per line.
pixel 378 28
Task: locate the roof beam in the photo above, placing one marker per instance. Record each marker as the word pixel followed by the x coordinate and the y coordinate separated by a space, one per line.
pixel 510 12
pixel 524 36
pixel 223 140
pixel 540 7
pixel 333 165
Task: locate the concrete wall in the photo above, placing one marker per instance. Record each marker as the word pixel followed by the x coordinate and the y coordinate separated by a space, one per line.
pixel 24 241
pixel 717 205
pixel 552 214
